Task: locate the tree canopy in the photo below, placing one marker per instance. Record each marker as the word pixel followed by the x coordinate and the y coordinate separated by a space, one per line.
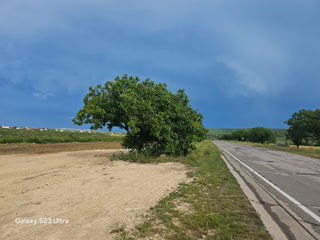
pixel 303 125
pixel 313 125
pixel 155 119
pixel 261 135
pixel 257 135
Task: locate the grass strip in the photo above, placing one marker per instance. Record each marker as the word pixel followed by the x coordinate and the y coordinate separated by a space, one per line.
pixel 10 136
pixel 211 206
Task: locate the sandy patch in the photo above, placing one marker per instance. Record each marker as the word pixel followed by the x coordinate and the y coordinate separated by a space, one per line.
pixel 85 189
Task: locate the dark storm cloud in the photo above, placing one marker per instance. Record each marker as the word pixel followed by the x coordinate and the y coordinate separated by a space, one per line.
pixel 228 55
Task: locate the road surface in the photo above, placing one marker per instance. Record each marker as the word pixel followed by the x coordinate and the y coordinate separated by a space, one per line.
pixel 293 179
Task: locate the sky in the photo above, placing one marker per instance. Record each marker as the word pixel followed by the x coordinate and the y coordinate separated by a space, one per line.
pixel 242 63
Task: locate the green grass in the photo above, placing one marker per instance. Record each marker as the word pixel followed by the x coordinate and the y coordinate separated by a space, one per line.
pixel 211 206
pixel 310 151
pixel 52 136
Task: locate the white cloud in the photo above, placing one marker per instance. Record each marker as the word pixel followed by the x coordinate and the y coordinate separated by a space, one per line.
pixel 42 95
pixel 248 80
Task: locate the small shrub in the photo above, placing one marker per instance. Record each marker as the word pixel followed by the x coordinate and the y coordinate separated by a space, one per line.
pixel 134 156
pixel 261 135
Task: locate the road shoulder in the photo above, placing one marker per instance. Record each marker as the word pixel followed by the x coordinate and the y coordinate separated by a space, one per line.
pixel 279 222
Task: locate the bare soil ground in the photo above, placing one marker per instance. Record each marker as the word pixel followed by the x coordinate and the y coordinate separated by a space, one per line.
pixel 87 190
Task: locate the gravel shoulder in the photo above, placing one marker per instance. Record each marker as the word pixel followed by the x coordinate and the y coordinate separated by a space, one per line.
pixel 84 191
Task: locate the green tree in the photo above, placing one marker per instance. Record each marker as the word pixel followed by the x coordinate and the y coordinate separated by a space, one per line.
pixel 299 126
pixel 313 124
pixel 261 135
pixel 240 135
pixel 155 119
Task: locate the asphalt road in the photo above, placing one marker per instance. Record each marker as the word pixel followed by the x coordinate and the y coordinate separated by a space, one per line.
pixel 297 176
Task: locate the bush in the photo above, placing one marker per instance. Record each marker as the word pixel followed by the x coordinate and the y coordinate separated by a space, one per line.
pixel 257 135
pixel 238 135
pixel 261 135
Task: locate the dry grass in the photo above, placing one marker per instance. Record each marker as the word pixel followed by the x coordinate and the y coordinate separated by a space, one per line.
pixel 55 147
pixel 306 147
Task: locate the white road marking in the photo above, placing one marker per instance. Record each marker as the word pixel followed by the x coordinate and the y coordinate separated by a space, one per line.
pixel 297 203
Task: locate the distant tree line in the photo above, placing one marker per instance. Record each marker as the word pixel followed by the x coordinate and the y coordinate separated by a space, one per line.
pixel 304 126
pixel 256 135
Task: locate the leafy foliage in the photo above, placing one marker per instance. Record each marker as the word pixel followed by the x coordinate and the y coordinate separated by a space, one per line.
pixel 304 125
pixel 257 135
pixel 156 120
pixel 218 133
pixel 313 125
pixel 261 135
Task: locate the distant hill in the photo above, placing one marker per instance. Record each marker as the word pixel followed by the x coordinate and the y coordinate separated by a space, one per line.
pixel 221 131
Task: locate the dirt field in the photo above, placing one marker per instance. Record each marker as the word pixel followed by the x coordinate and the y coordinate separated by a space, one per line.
pixel 83 194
